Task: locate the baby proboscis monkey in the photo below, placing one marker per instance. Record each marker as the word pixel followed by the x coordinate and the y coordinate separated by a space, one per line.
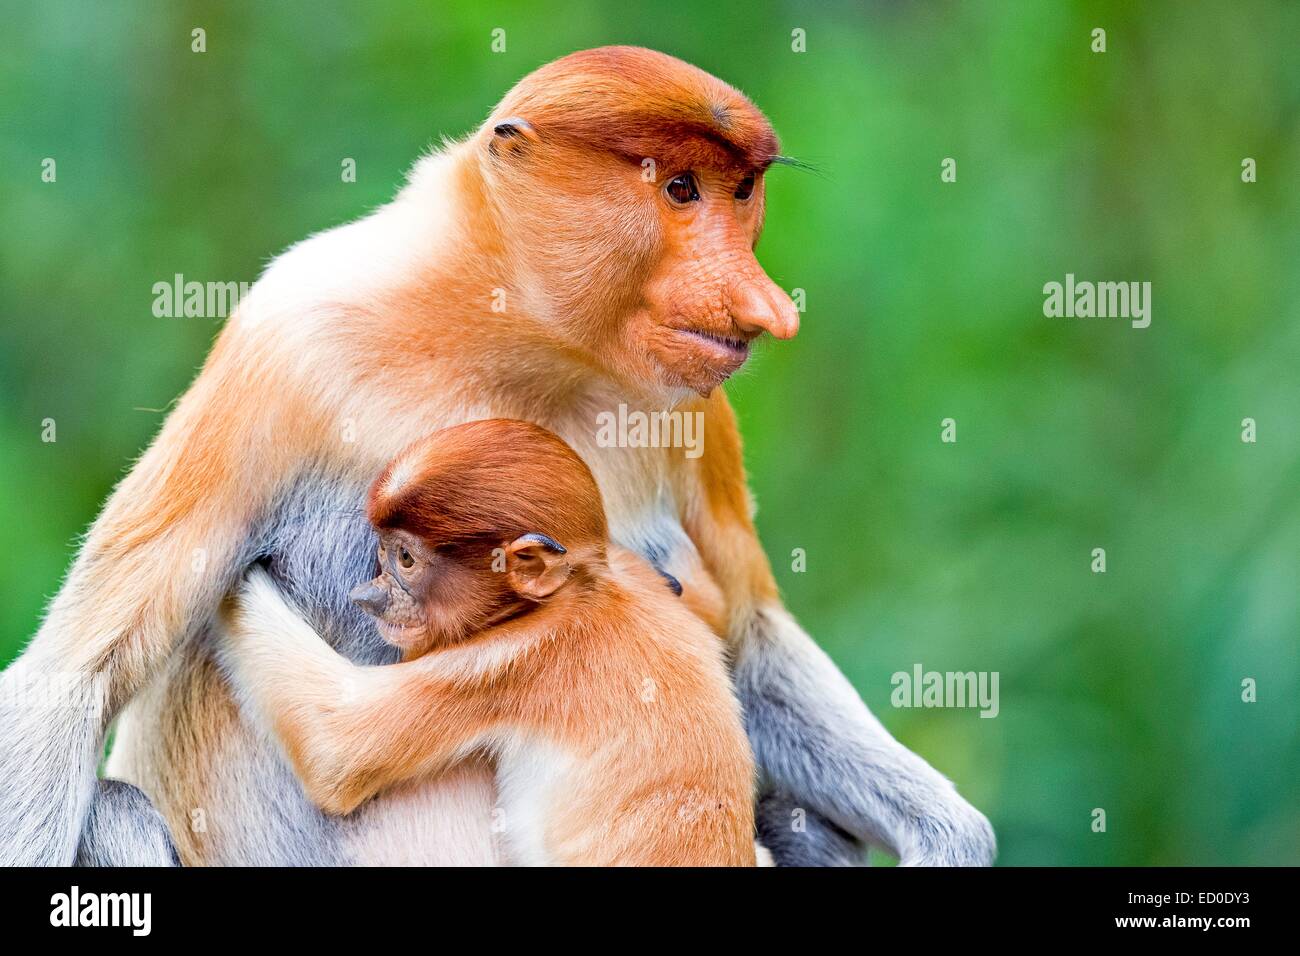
pixel 602 700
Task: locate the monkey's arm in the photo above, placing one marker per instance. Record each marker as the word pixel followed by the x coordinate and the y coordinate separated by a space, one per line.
pixel 152 568
pixel 350 731
pixel 818 746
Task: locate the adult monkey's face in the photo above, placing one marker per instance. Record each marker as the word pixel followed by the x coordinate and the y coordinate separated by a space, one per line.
pixel 629 187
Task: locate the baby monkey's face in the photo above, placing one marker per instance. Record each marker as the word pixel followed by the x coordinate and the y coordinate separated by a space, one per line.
pixel 426 595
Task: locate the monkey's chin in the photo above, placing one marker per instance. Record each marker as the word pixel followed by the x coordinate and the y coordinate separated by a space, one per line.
pixel 401 636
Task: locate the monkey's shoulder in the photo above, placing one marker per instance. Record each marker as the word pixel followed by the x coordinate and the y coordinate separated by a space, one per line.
pixel 651 606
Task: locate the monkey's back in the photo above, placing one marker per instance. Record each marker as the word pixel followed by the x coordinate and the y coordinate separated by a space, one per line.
pixel 664 775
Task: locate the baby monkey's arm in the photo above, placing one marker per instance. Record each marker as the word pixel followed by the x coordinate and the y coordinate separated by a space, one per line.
pixel 350 731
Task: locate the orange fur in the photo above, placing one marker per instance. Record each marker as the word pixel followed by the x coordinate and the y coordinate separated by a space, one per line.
pixel 522 478
pixel 385 329
pixel 610 680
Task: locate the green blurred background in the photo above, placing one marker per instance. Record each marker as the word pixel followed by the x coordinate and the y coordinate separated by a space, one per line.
pixel 924 301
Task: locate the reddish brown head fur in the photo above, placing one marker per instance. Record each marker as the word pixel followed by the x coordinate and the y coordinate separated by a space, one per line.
pixel 490 480
pixel 640 103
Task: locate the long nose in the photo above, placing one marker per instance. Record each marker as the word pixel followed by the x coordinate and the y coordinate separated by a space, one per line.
pixel 757 304
pixel 370 597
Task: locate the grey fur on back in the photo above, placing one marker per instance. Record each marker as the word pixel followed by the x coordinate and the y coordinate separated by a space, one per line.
pixel 123 829
pixel 317 544
pixel 796 837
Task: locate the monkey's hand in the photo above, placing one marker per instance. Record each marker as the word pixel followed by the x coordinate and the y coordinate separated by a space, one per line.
pixel 957 835
pixel 348 731
pixel 266 642
pixel 288 680
pixel 818 744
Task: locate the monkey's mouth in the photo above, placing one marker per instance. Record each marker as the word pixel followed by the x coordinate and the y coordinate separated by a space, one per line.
pixel 729 344
pixel 725 353
pixel 400 635
pixel 702 359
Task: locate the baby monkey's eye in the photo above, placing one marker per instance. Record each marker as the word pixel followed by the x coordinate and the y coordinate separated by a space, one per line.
pixel 404 559
pixel 746 188
pixel 682 189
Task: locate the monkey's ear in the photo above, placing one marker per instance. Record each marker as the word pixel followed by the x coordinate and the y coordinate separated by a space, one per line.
pixel 535 566
pixel 511 135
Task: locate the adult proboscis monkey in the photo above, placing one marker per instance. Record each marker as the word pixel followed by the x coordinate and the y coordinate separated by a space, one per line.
pixel 590 246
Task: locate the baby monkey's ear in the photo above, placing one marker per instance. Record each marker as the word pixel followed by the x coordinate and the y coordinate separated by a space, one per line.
pixel 536 566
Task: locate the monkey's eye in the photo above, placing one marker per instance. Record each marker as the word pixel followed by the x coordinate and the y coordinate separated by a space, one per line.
pixel 746 188
pixel 405 560
pixel 682 189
